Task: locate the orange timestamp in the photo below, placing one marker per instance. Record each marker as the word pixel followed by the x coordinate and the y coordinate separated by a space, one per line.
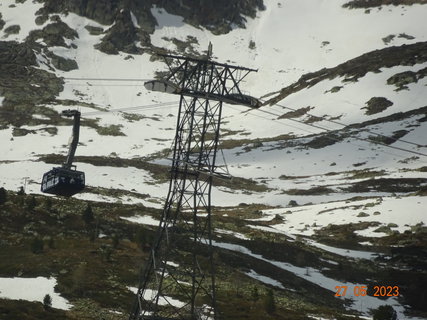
pixel 379 291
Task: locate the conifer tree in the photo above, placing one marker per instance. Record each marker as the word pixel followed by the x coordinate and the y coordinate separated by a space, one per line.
pixel 47 302
pixel 87 215
pixel 269 303
pixel 3 196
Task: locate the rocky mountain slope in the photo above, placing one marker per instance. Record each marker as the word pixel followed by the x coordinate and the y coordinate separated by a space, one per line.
pixel 330 180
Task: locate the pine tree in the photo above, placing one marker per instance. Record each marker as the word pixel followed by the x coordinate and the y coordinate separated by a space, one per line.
pixel 141 238
pixel 385 312
pixel 79 278
pixel 3 196
pixel 269 303
pixel 31 203
pixel 255 294
pixel 116 241
pixel 48 204
pixel 37 245
pixel 51 243
pixel 87 215
pixel 47 302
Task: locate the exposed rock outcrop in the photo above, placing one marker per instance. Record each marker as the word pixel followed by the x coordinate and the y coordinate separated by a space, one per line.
pixel 122 36
pixel 220 16
pixel 356 4
pixel 2 23
pixel 61 63
pixel 22 84
pixel 54 34
pixel 377 105
pixel 352 70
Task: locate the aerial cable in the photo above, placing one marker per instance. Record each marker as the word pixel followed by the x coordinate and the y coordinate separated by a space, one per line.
pixel 103 79
pixel 274 120
pixel 327 137
pixel 345 125
pixel 308 131
pixel 135 108
pixel 357 138
pixel 335 139
pixel 314 133
pixel 99 112
pixel 104 85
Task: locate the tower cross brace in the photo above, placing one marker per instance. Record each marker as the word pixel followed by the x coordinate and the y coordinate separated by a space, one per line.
pixel 180 264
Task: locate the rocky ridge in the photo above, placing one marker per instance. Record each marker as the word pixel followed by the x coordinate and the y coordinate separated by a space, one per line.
pixel 352 70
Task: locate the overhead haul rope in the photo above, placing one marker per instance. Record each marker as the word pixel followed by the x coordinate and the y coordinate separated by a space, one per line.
pixel 99 112
pixel 167 104
pixel 322 118
pixel 331 131
pixel 104 79
pixel 136 108
pixel 358 138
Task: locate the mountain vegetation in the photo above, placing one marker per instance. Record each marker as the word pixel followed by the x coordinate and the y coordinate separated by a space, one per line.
pixel 328 180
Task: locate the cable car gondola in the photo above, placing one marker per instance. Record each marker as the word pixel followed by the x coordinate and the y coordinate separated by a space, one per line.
pixel 66 180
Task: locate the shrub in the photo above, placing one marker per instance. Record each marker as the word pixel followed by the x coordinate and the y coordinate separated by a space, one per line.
pixel 385 313
pixel 21 191
pixel 37 246
pixel 292 203
pixel 255 294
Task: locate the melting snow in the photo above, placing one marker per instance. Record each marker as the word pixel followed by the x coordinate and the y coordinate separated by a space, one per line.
pixel 360 303
pixel 264 279
pixel 32 289
pixel 148 220
pixel 163 300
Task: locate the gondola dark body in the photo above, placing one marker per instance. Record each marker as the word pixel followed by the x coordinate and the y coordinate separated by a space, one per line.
pixel 66 181
pixel 63 182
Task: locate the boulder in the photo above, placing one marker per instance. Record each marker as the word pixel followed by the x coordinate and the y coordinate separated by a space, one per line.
pixel 62 63
pixel 121 36
pixel 53 34
pixel 377 105
pixel 16 53
pixel 2 23
pixel 13 29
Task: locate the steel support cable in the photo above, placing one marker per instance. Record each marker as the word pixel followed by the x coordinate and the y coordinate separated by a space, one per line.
pixel 357 138
pixel 366 130
pixel 287 124
pixel 335 139
pixel 102 79
pixel 104 85
pixel 135 108
pixel 91 113
pixel 346 125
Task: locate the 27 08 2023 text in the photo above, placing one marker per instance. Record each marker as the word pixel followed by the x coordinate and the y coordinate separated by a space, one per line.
pixel 378 291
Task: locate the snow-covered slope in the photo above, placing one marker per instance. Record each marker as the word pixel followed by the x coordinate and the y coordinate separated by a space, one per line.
pixel 285 155
pixel 290 39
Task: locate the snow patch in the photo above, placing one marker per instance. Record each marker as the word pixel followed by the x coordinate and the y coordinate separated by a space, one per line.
pixel 32 289
pixel 264 279
pixel 150 294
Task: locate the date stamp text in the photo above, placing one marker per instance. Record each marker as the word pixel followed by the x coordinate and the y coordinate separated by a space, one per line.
pixel 378 291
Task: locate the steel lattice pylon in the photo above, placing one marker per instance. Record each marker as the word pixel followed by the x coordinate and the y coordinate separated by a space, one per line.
pixel 181 260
